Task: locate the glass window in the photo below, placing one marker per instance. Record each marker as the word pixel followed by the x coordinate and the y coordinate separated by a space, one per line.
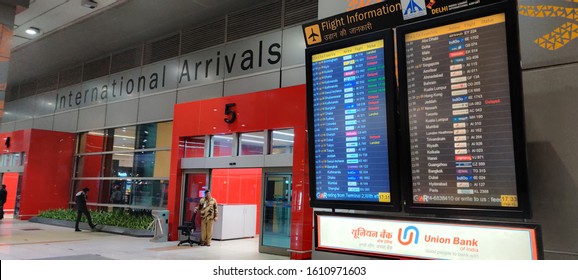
pixel 146 136
pixel 251 143
pixel 164 135
pixel 194 147
pixel 149 193
pixel 116 153
pixel 122 165
pixel 88 166
pixel 12 159
pixel 92 142
pixel 4 160
pixel 152 164
pixel 282 141
pixel 154 135
pixel 92 196
pixel 162 164
pixel 124 138
pixel 222 145
pixel 16 160
pixel 146 193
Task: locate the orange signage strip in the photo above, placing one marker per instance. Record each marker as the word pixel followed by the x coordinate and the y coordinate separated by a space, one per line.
pixel 348 51
pixel 456 27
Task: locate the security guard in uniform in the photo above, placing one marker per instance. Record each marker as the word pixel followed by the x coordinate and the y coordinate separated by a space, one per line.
pixel 209 214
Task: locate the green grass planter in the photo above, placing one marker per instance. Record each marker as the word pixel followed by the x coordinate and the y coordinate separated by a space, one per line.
pixel 115 222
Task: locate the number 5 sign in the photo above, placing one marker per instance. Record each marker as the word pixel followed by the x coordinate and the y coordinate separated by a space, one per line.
pixel 230 113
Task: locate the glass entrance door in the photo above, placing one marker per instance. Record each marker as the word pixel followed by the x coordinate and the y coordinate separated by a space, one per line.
pixel 13 182
pixel 276 214
pixel 194 186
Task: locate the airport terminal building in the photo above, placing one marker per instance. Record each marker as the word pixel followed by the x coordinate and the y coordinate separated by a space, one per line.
pixel 248 99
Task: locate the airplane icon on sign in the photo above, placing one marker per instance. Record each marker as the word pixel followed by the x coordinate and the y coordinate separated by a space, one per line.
pixel 313 35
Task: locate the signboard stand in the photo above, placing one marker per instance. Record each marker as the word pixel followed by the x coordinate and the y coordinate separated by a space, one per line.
pixel 421 238
pixel 456 117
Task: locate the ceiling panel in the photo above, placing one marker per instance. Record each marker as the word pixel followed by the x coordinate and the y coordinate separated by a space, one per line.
pixel 36 9
pixel 125 24
pixel 51 15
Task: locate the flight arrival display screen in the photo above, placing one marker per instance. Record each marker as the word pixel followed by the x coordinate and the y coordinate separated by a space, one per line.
pixel 459 113
pixel 350 124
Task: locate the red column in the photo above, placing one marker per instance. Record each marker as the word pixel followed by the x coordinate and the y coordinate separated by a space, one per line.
pixel 5 42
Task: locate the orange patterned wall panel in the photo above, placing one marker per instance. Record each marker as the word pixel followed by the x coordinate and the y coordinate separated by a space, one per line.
pixel 560 36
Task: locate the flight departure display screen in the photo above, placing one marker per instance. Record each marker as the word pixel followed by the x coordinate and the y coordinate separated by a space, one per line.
pixel 348 109
pixel 459 114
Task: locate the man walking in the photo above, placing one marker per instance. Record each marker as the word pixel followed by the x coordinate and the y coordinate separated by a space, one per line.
pixel 82 209
pixel 209 214
pixel 3 195
pixel 116 198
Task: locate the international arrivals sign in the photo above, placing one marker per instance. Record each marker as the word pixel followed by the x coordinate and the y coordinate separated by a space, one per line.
pixel 379 16
pixel 238 59
pixel 427 239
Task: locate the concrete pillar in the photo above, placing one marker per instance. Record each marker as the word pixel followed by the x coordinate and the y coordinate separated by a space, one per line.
pixel 7 14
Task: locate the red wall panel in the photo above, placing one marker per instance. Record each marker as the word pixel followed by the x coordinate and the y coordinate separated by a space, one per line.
pixel 238 186
pixel 11 181
pixel 94 143
pixel 47 168
pixel 92 165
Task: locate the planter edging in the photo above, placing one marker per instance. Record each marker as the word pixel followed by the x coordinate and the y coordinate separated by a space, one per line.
pixel 103 228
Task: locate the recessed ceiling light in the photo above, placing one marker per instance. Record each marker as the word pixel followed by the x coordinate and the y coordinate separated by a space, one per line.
pixel 32 31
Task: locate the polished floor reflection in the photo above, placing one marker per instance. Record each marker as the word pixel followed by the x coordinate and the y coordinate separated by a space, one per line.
pixel 22 240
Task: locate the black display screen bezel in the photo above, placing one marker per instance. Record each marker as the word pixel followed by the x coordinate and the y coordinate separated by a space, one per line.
pixel 517 114
pixel 390 97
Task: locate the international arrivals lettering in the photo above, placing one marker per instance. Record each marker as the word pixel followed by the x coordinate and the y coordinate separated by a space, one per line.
pixel 207 66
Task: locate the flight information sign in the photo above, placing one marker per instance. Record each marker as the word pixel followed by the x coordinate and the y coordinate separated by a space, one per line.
pixel 459 111
pixel 349 123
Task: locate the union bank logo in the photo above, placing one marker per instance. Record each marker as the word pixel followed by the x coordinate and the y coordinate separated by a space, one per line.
pixel 413 8
pixel 408 235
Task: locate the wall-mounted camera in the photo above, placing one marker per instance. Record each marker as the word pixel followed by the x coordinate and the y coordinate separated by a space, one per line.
pixel 89 4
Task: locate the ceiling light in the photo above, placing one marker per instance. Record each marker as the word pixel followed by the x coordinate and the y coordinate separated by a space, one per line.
pixel 32 31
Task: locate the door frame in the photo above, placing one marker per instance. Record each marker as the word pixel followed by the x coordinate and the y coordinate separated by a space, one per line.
pixel 185 173
pixel 266 172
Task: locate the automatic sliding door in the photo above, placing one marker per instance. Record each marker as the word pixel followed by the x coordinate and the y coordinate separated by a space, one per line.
pixel 195 183
pixel 276 222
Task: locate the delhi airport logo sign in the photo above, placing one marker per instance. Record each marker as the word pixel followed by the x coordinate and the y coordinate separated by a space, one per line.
pixel 406 240
pixel 413 8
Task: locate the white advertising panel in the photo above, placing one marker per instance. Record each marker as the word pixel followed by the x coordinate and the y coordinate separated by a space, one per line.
pixel 424 239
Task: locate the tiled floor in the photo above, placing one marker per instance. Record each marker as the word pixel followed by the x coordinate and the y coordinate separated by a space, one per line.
pixel 22 240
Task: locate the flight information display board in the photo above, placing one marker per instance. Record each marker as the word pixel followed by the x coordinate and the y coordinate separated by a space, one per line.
pixel 348 99
pixel 458 97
